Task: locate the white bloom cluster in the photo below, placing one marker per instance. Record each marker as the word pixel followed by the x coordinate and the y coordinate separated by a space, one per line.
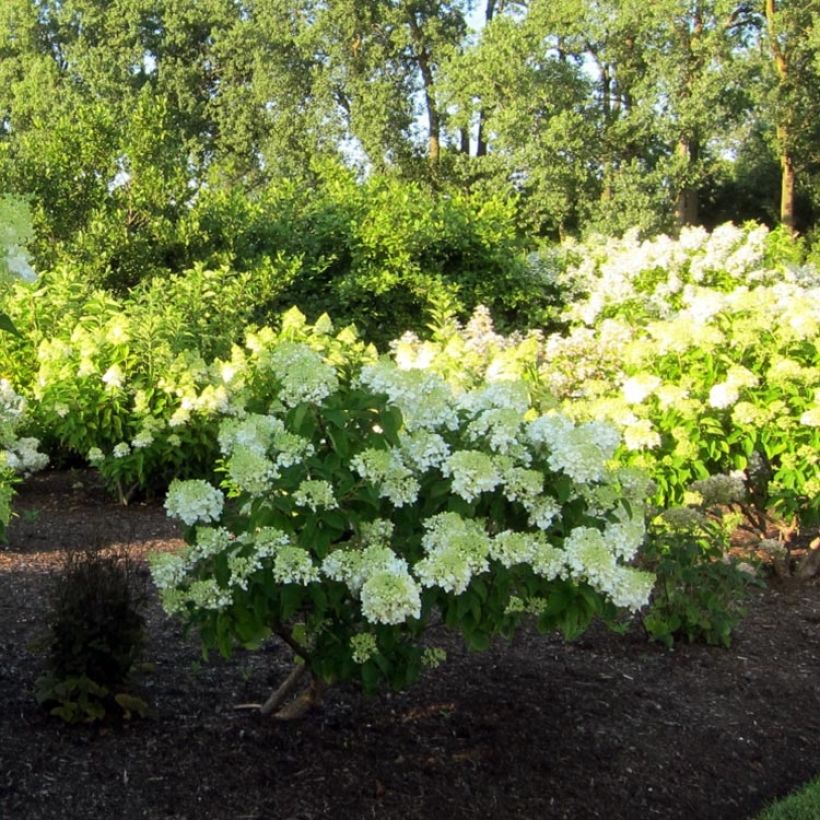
pixel 423 450
pixel 580 452
pixel 302 373
pixel 473 472
pixel 590 559
pixel 424 398
pixel 386 470
pixel 294 565
pixel 193 501
pixel 390 598
pixel 315 494
pixel 363 647
pixel 21 455
pixel 456 549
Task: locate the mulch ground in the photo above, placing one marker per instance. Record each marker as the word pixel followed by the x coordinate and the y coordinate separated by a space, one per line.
pixel 609 726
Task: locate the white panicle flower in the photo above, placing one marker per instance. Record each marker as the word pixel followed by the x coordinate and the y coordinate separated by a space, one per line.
pixel 390 598
pixel 548 561
pixel 588 557
pixel 168 569
pixel 424 398
pixel 209 541
pixel 117 332
pixel 473 473
pixel 254 432
pixel 457 548
pixel 353 567
pixel 521 484
pixel 363 647
pixel 113 377
pixel 499 427
pixel 22 456
pixel 580 452
pixel 95 455
pixel 290 449
pixel 386 470
pixel 630 588
pixel 267 541
pixel 670 395
pixel 194 501
pixel 242 567
pixel 376 533
pixel 637 388
pixel 501 395
pixel 723 394
pixel 625 537
pixel 304 376
pixel 811 418
pixel 207 594
pixel 121 450
pixel 143 439
pixel 293 565
pixel 250 471
pixel 543 511
pixel 316 495
pixel 510 548
pixel 641 435
pixel 423 450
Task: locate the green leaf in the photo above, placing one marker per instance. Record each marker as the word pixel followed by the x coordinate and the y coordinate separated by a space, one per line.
pixel 8 326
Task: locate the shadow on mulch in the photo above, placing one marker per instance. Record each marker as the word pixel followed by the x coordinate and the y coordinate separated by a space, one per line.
pixel 607 727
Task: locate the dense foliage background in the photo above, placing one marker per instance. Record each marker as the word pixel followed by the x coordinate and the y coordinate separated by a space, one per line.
pixel 365 137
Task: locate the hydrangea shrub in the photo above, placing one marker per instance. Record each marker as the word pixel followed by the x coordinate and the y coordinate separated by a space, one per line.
pixel 362 503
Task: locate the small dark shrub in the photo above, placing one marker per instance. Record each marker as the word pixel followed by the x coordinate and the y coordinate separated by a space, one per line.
pixel 700 591
pixel 95 638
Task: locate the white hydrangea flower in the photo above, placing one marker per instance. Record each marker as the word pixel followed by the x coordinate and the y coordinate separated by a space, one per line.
pixel 250 471
pixel 473 472
pixel 207 594
pixel 386 470
pixel 209 541
pixel 637 388
pixel 641 435
pixel 303 375
pixel 363 647
pixel 113 377
pixel 424 398
pixel 168 569
pixel 316 495
pixel 194 501
pixel 457 548
pixel 423 450
pixel 121 450
pixel 723 394
pixel 390 598
pixel 294 565
pixel 589 558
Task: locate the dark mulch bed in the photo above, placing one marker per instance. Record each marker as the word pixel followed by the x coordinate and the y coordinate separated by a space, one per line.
pixel 608 726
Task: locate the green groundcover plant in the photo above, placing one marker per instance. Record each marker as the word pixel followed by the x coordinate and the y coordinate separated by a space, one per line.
pixel 363 504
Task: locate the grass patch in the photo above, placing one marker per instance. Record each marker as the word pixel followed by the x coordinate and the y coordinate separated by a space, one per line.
pixel 802 805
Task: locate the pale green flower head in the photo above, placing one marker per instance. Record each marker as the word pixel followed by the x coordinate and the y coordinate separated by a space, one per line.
pixel 250 471
pixel 390 598
pixel 294 565
pixel 387 472
pixel 168 569
pixel 209 541
pixel 316 495
pixel 194 501
pixel 303 375
pixel 363 647
pixel 473 472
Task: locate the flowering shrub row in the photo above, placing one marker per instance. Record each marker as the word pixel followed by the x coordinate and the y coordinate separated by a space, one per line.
pixel 362 503
pixel 701 351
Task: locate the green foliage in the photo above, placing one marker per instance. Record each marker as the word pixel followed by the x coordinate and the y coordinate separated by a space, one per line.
pixel 700 589
pixel 95 639
pixel 804 804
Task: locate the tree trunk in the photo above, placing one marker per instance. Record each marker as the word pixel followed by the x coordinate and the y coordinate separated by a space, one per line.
pixel 687 209
pixel 787 191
